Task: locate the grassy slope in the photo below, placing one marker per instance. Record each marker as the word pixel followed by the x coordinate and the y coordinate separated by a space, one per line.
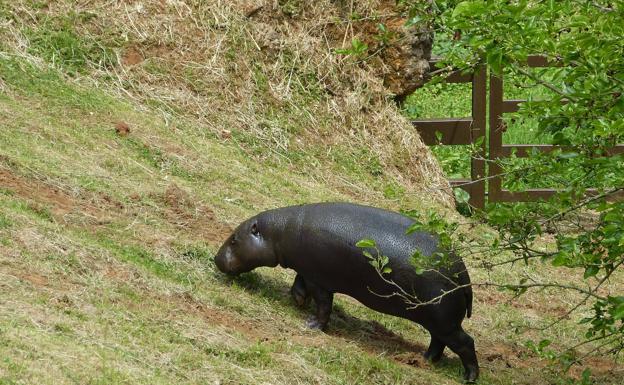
pixel 105 259
pixel 106 271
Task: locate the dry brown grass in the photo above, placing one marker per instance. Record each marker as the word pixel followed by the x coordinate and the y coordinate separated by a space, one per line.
pixel 106 239
pixel 271 78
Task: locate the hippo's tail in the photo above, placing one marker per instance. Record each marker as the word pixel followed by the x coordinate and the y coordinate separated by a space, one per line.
pixel 464 280
pixel 468 295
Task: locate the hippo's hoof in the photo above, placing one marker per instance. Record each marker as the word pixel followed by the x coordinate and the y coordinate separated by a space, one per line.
pixel 471 375
pixel 433 356
pixel 314 324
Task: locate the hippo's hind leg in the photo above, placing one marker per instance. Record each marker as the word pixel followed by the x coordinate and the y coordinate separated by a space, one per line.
pixel 324 301
pixel 436 349
pixel 463 345
pixel 299 291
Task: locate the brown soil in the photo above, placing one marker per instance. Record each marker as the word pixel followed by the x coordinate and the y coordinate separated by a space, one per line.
pixel 91 210
pixel 510 356
pixel 253 330
pixel 39 193
pixel 415 359
pixel 186 213
pixel 131 57
pixel 601 366
pixel 35 279
pixel 495 297
pixel 122 128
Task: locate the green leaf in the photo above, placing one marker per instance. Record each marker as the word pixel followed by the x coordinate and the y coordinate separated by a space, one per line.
pixel 618 313
pixel 416 226
pixel 468 8
pixel 586 377
pixel 612 216
pixel 544 343
pixel 413 21
pixel 366 243
pixel 461 195
pixel 384 260
pixel 560 260
pixel 591 271
pixel 495 60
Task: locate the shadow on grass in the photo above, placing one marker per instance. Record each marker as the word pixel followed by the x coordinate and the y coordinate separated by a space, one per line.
pixel 372 336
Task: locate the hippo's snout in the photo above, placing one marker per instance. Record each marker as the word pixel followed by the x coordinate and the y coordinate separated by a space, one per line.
pixel 223 260
pixel 226 263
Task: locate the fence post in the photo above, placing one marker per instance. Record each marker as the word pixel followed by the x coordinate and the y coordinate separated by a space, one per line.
pixel 477 163
pixel 496 138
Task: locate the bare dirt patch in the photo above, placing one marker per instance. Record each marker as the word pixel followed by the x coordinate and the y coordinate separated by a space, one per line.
pixel 186 213
pixel 525 302
pixel 249 328
pixel 122 128
pixel 91 210
pixel 60 202
pixel 412 359
pixel 510 356
pixel 35 279
pixel 601 366
pixel 64 207
pixel 131 57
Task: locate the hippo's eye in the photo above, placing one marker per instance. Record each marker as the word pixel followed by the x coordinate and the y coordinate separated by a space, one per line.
pixel 254 229
pixel 233 241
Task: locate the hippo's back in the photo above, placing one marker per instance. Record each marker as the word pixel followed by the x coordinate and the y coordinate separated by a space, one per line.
pixel 348 223
pixel 320 243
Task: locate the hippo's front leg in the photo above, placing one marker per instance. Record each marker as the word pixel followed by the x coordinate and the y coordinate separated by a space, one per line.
pixel 299 291
pixel 436 349
pixel 324 301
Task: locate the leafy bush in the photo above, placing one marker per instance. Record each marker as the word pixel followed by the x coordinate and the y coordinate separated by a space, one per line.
pixel 585 116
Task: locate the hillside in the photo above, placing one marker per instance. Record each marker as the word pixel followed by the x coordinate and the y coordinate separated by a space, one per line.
pixel 135 135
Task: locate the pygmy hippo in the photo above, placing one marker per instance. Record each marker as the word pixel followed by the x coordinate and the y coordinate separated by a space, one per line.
pixel 318 241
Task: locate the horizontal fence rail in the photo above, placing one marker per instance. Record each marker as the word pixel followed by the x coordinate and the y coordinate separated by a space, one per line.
pixel 469 130
pixel 463 131
pixel 498 150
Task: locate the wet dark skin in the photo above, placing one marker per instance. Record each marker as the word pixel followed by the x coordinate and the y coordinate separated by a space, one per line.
pixel 318 241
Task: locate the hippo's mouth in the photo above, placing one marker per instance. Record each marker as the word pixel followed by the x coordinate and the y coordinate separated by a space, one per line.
pixel 227 264
pixel 224 265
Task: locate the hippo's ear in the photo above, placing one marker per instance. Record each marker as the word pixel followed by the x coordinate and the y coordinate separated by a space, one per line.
pixel 254 228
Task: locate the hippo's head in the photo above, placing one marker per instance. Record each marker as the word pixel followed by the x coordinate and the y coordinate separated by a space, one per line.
pixel 247 248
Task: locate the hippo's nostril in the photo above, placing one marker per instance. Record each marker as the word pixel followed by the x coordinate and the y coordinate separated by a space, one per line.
pixel 221 262
pixel 225 261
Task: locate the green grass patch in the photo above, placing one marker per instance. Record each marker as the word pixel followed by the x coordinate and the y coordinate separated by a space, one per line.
pixel 5 222
pixel 140 257
pixel 439 100
pixel 58 41
pixel 109 376
pixel 32 210
pixel 196 252
pixel 356 161
pixel 49 86
pixel 257 355
pixel 157 159
pixel 348 367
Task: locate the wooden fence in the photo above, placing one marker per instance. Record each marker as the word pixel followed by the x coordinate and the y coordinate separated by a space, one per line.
pixel 463 131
